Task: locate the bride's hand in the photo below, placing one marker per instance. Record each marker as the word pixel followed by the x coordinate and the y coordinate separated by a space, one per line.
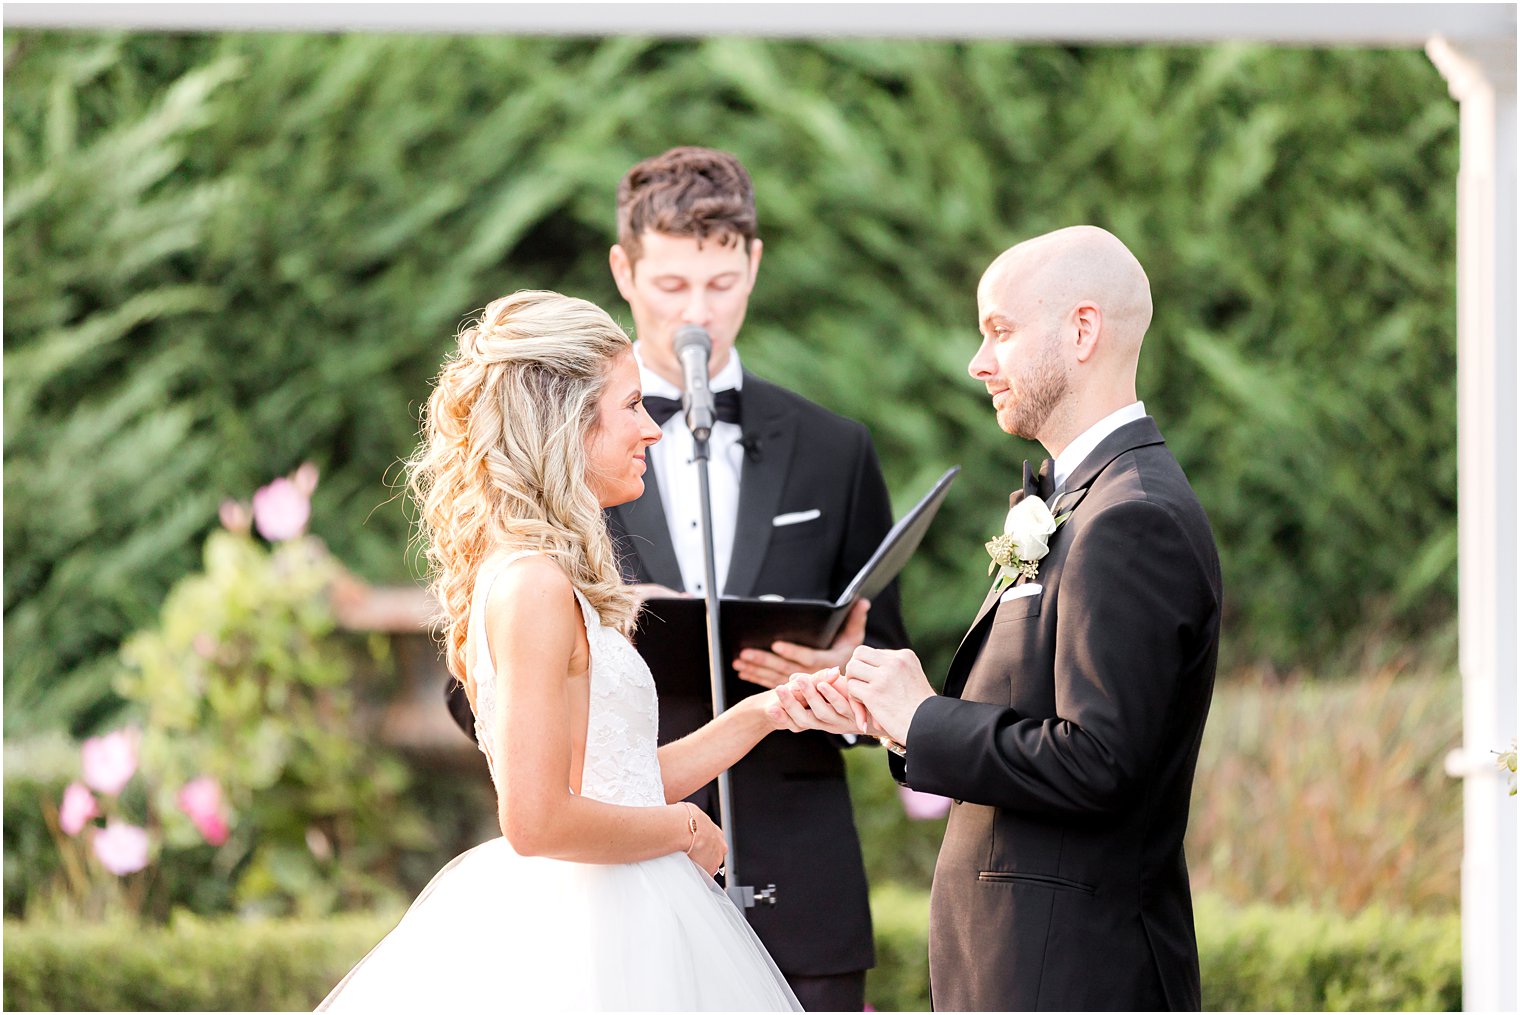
pixel 708 847
pixel 837 690
pixel 812 701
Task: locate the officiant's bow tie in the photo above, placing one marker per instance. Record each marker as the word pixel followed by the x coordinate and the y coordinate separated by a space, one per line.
pixel 725 404
pixel 1040 484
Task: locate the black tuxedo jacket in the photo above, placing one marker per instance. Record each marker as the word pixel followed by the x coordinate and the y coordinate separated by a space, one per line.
pixel 1068 734
pixel 793 826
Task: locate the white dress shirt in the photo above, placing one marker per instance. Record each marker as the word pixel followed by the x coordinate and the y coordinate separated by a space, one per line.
pixel 676 469
pixel 1077 451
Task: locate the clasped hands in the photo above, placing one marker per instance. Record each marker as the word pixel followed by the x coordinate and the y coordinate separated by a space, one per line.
pixel 875 693
pixel 852 689
pixel 775 667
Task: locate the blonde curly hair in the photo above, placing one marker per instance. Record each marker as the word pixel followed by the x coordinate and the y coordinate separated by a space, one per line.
pixel 502 464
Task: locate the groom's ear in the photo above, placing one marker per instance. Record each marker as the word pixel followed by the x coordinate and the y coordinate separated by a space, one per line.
pixel 1087 325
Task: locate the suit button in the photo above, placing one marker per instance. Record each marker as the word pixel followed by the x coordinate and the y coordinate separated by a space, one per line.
pixel 957 801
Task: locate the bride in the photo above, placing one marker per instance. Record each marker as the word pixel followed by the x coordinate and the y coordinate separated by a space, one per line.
pixel 598 894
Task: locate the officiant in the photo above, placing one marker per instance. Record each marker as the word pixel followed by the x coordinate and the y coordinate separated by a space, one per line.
pixel 799 504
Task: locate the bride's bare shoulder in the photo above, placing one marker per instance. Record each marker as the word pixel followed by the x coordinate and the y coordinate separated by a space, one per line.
pixel 532 584
pixel 532 618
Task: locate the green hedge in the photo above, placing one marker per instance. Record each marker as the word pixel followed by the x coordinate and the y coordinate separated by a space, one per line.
pixel 226 254
pixel 1268 958
pixel 1256 959
pixel 192 965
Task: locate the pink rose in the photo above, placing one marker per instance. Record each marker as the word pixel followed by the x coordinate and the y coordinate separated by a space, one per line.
pixel 280 510
pixel 235 517
pixel 78 807
pixel 213 829
pixel 201 800
pixel 923 806
pixel 122 849
pixel 109 761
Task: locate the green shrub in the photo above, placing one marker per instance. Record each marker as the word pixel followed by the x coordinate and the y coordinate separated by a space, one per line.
pixel 246 679
pixel 459 812
pixel 191 965
pixel 1266 958
pixel 226 253
pixel 1256 959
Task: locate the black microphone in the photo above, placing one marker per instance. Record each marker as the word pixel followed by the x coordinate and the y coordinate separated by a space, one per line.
pixel 693 348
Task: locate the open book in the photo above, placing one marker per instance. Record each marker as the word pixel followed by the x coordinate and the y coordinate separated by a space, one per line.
pixel 672 632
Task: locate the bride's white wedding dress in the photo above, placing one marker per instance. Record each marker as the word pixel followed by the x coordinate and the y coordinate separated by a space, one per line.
pixel 495 930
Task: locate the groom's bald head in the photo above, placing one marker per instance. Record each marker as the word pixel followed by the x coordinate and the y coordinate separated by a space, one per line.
pixel 1078 264
pixel 1062 316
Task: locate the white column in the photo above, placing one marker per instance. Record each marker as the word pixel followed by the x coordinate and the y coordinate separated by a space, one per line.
pixel 1481 76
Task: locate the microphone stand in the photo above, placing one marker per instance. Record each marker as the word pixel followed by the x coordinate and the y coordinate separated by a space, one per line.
pixel 743 896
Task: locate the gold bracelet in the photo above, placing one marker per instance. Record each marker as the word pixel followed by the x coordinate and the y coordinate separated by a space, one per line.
pixel 893 746
pixel 691 822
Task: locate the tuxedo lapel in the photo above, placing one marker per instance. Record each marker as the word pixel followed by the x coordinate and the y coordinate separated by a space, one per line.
pixel 1141 433
pixel 648 534
pixel 771 431
pixel 959 663
pixel 993 594
pixel 993 597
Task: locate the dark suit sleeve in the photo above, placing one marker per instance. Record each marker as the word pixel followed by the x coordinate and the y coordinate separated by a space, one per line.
pixel 869 519
pixel 1133 603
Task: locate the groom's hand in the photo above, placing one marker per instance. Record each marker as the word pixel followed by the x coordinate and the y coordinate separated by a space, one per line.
pixel 774 668
pixel 891 684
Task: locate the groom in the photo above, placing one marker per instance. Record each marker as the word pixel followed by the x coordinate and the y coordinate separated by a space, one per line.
pixel 1069 727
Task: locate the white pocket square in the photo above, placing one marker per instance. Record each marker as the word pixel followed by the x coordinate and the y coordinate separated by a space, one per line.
pixel 795 517
pixel 1020 591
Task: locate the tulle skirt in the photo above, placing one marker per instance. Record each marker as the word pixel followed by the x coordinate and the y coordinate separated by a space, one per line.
pixel 503 932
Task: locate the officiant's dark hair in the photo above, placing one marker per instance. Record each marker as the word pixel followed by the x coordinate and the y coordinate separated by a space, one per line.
pixel 689 191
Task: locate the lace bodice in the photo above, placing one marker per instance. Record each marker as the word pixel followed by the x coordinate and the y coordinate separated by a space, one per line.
pixel 622 727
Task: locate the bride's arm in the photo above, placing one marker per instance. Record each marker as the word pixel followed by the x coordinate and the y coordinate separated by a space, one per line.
pixel 690 763
pixel 534 628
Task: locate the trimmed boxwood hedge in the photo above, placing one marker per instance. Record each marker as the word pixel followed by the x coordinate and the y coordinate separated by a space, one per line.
pixel 192 965
pixel 1295 958
pixel 1260 958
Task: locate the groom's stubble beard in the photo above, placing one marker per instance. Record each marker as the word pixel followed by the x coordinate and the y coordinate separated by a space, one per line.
pixel 1040 391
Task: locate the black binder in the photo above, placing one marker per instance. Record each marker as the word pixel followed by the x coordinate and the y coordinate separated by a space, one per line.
pixel 672 632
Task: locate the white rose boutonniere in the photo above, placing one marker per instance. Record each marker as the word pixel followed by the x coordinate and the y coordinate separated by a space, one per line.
pixel 1025 541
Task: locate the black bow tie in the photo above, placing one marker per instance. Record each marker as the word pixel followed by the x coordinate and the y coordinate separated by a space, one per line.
pixel 1041 484
pixel 725 403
